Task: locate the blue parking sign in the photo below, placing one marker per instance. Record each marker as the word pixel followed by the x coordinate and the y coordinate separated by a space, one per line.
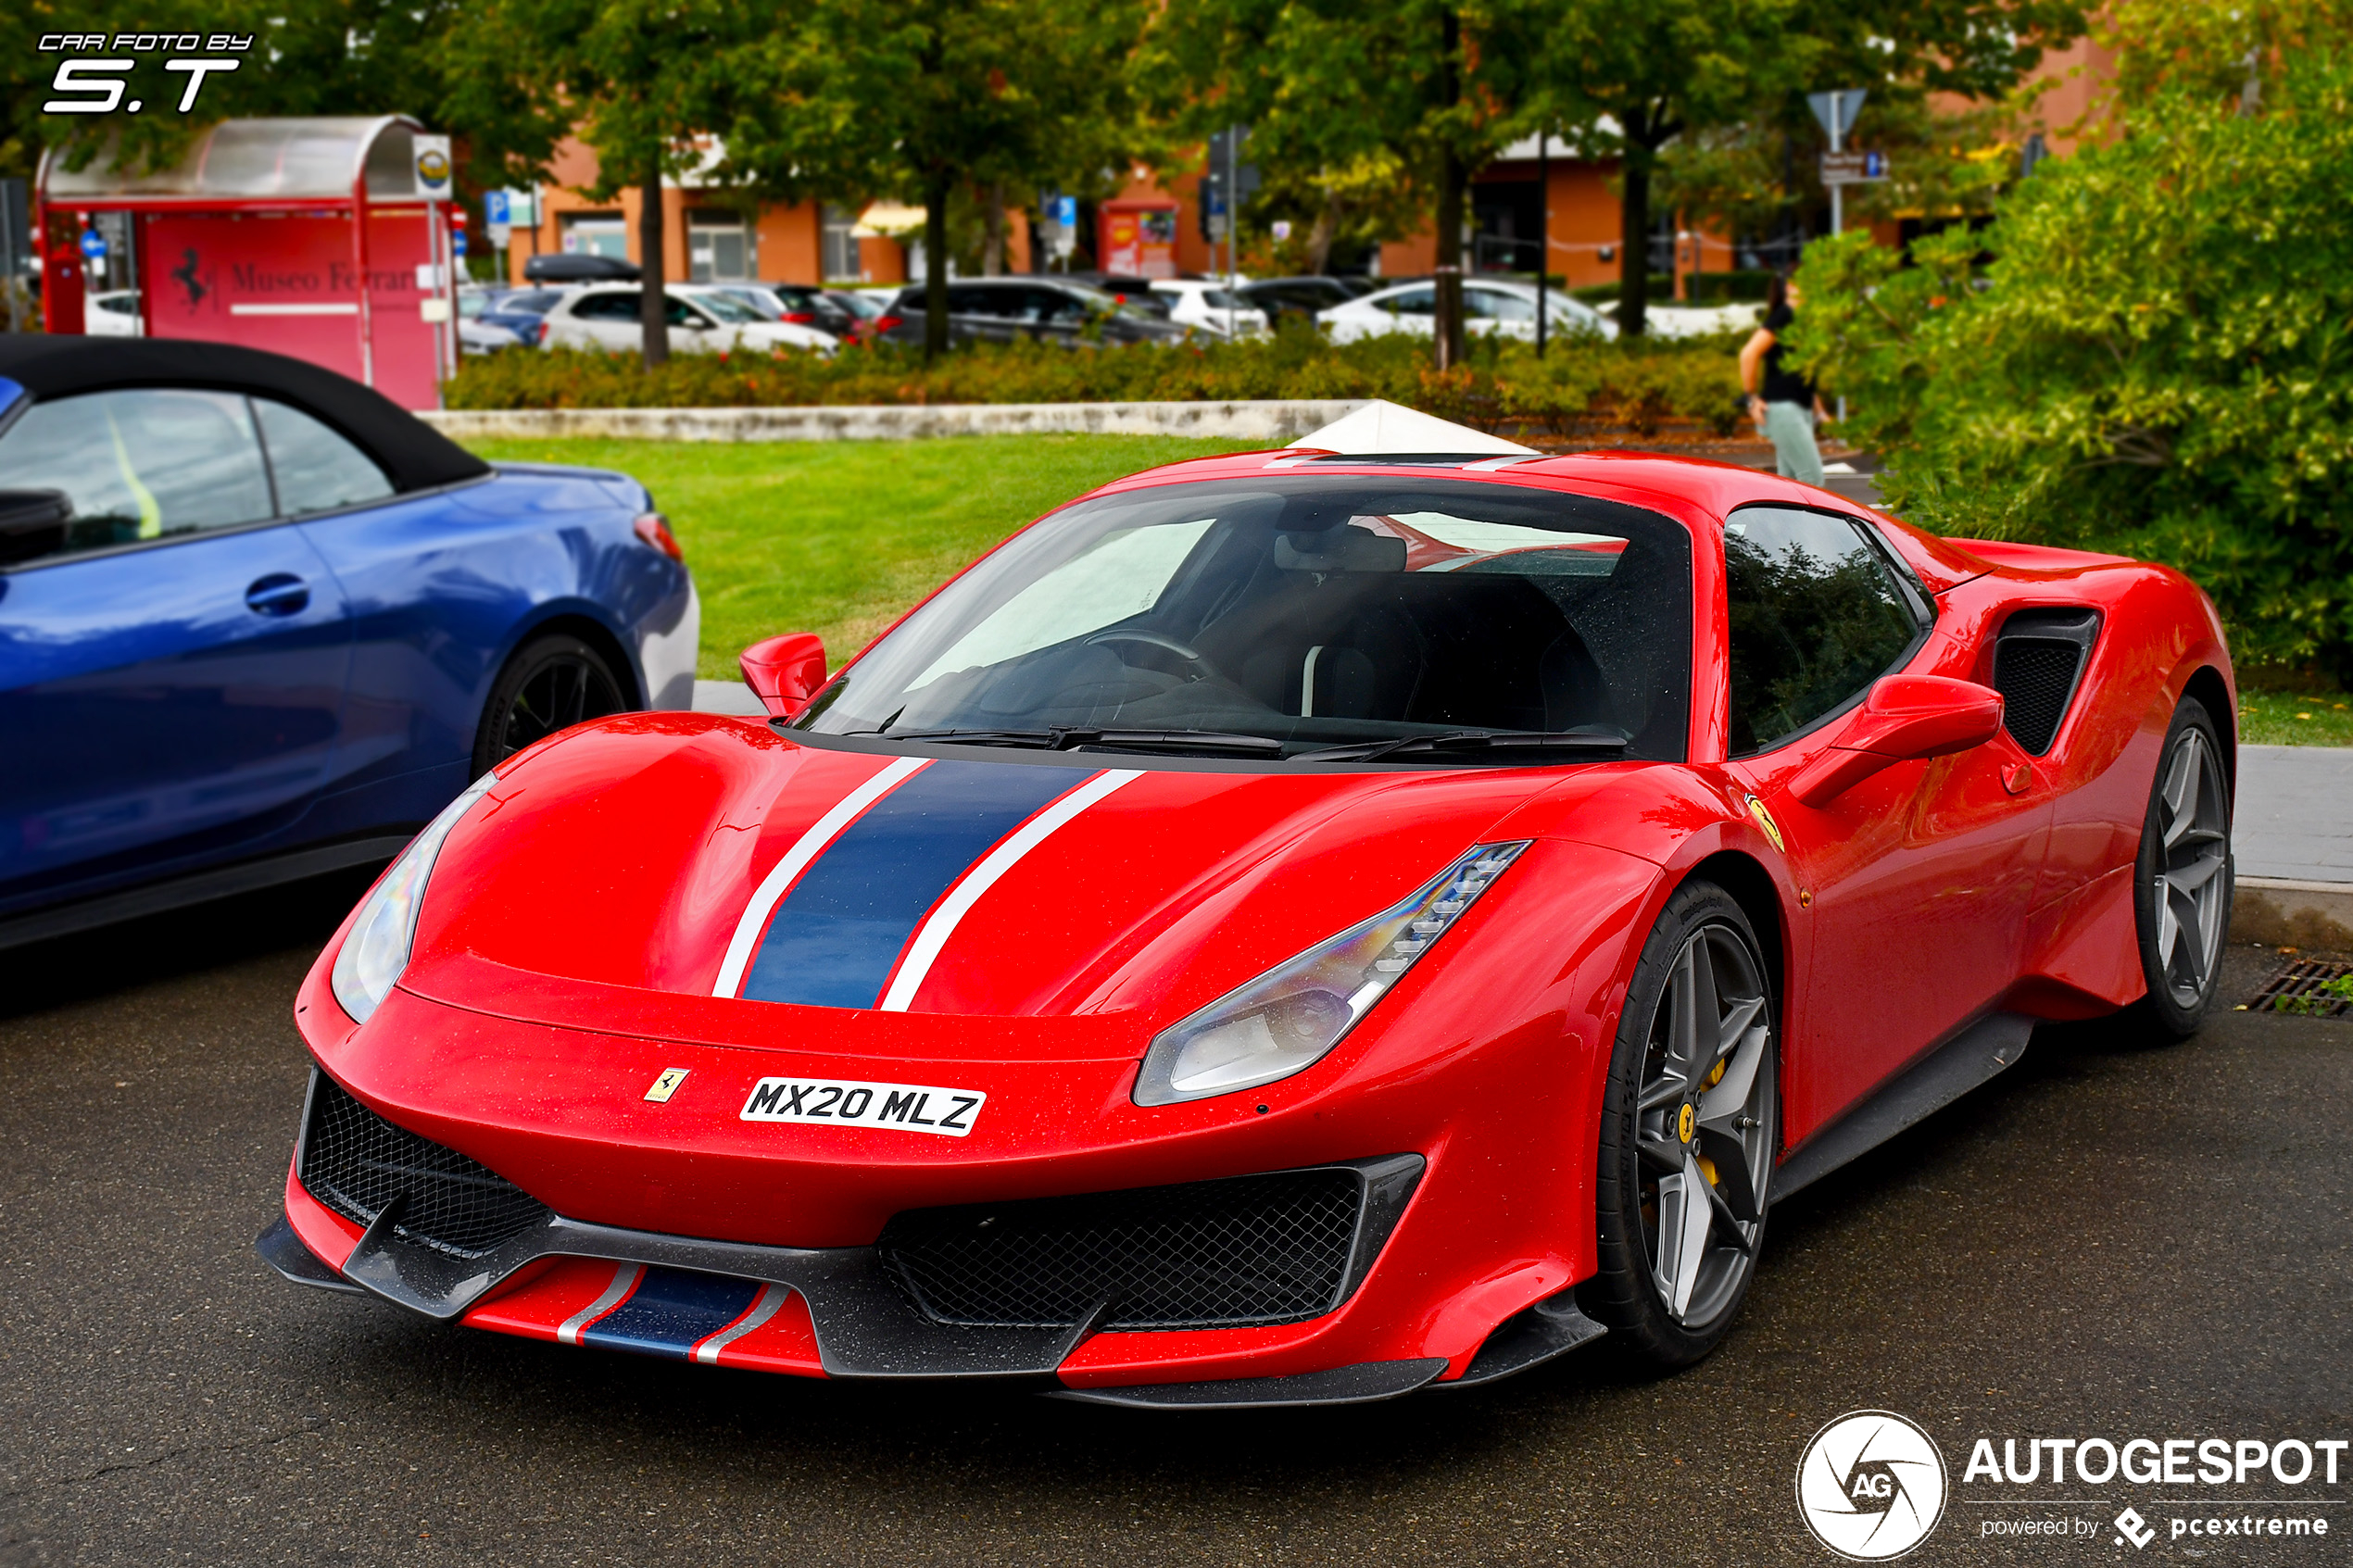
pixel 494 208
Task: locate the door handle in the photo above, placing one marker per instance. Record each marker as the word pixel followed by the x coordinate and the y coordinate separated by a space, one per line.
pixel 280 592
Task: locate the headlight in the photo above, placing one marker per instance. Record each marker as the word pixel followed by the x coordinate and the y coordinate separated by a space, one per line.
pixel 1287 1019
pixel 377 950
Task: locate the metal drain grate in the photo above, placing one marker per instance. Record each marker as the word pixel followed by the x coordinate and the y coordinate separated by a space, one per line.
pixel 2310 988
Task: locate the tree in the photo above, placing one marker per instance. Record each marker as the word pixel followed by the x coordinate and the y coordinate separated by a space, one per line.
pixel 920 98
pixel 657 88
pixel 1628 80
pixel 308 57
pixel 2158 361
pixel 1329 86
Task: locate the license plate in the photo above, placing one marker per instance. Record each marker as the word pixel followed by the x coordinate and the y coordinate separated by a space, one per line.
pixel 899 1107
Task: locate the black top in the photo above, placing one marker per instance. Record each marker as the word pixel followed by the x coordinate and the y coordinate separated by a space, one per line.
pixel 1780 385
pixel 413 455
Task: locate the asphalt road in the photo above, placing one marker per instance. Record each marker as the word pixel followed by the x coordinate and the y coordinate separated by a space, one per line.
pixel 2110 1239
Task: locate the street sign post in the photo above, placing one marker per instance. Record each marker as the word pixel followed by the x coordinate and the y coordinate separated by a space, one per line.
pixel 1837 110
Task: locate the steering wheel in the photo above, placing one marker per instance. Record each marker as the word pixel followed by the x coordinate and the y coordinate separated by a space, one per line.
pixel 1158 640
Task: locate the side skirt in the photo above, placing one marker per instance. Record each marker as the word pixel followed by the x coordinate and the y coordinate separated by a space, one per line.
pixel 1976 1054
pixel 202 888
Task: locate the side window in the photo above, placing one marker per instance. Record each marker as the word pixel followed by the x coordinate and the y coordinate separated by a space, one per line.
pixel 1494 305
pixel 605 307
pixel 149 464
pixel 676 312
pixel 316 469
pixel 1414 302
pixel 1815 617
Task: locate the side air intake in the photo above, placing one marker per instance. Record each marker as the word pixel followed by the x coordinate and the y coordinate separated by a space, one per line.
pixel 2038 663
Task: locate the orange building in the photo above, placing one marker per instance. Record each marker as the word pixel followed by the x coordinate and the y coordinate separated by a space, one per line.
pixel 706 238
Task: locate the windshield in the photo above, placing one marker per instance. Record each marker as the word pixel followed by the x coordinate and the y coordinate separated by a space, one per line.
pixel 727 307
pixel 1305 612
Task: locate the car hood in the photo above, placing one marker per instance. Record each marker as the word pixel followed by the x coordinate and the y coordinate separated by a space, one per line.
pixel 640 851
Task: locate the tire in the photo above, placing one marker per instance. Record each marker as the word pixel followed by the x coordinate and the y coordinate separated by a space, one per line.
pixel 551 684
pixel 1686 1109
pixel 2183 878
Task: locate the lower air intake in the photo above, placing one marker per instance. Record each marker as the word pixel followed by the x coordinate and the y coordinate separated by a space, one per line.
pixel 355 1163
pixel 1248 1251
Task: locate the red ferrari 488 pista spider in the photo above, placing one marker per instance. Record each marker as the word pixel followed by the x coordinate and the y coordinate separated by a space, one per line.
pixel 1290 927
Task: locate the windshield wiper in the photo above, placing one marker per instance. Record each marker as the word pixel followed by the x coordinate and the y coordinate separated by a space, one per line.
pixel 1469 740
pixel 1067 738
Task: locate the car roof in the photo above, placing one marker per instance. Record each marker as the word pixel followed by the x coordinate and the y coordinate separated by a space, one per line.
pixel 413 455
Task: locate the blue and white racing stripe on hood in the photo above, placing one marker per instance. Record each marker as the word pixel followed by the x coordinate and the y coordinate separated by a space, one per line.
pixel 852 895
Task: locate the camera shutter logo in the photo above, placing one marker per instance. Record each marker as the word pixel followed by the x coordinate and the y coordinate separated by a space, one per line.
pixel 1871 1486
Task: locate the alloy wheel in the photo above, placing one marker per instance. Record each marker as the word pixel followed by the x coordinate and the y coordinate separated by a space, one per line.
pixel 565 691
pixel 1704 1125
pixel 2193 845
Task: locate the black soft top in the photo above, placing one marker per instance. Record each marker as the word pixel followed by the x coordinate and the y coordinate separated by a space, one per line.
pixel 413 455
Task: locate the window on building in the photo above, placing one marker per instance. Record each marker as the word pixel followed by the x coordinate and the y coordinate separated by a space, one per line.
pixel 720 249
pixel 594 233
pixel 841 244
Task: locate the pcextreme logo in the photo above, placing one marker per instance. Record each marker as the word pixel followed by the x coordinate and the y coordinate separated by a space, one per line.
pixel 1871 1486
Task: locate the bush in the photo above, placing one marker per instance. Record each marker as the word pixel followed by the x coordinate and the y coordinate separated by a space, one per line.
pixel 2158 361
pixel 1581 385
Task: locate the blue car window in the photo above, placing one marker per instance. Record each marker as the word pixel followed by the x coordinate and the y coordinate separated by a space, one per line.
pixel 142 465
pixel 316 469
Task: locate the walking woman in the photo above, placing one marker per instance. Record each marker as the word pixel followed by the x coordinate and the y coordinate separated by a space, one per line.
pixel 1782 403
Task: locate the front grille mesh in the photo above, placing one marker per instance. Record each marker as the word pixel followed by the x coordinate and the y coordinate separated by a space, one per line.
pixel 355 1163
pixel 2035 677
pixel 1252 1250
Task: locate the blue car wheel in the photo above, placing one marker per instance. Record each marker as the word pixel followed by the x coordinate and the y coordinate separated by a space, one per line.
pixel 549 684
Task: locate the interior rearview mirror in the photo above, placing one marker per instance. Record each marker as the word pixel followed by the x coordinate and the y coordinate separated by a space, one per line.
pixel 785 672
pixel 1903 717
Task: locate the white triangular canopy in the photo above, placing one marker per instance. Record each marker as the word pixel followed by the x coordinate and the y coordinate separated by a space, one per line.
pixel 1382 427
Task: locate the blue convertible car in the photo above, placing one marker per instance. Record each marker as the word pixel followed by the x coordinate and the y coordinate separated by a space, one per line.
pixel 257 622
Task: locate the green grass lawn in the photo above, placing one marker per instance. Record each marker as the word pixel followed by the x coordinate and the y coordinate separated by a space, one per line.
pixel 2283 719
pixel 839 537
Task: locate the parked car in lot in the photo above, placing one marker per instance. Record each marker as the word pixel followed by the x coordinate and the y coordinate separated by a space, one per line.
pixel 702 319
pixel 797 303
pixel 1205 304
pixel 1004 310
pixel 1306 297
pixel 522 312
pixel 867 309
pixel 114 313
pixel 1666 318
pixel 257 622
pixel 1495 306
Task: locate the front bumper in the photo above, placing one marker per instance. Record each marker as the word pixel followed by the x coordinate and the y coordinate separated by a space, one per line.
pixel 554 1104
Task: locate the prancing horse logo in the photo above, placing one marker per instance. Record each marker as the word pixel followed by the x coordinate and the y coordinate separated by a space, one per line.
pixel 186 273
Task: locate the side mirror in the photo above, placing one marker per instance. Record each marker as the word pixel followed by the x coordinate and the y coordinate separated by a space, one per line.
pixel 1905 717
pixel 785 672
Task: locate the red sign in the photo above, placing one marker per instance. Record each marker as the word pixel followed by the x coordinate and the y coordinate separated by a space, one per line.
pixel 1138 241
pixel 290 284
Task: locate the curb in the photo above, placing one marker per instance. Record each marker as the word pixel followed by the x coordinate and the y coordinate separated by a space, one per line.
pixel 2280 912
pixel 1274 420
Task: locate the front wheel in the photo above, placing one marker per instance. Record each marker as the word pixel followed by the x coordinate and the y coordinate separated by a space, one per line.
pixel 1690 1130
pixel 2182 880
